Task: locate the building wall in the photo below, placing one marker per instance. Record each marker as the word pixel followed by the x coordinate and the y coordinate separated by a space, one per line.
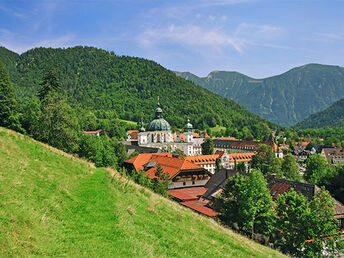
pixel 188 183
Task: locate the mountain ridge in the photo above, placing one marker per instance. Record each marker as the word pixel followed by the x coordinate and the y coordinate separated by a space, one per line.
pixel 284 99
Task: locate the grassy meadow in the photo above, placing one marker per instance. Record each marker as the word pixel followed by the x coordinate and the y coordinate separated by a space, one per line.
pixel 54 204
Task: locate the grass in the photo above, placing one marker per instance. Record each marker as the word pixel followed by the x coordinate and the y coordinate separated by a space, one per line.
pixel 132 123
pixel 217 128
pixel 53 204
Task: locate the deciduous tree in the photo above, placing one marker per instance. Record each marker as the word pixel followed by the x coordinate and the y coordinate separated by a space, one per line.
pixel 266 161
pixel 246 202
pixel 290 168
pixel 207 146
pixel 317 169
pixel 298 220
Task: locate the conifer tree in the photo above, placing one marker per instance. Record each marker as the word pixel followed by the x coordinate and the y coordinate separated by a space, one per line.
pixel 8 103
pixel 50 83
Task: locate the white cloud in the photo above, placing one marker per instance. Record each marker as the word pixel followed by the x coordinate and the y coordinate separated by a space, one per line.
pixel 191 35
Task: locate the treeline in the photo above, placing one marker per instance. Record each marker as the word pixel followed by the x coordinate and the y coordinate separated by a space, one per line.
pixel 127 88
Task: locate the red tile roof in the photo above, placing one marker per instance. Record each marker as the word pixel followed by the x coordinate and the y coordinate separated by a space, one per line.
pixel 141 159
pixel 241 157
pixel 226 138
pixel 203 159
pixel 134 134
pixel 188 194
pixel 302 143
pixel 277 189
pixel 168 163
pixel 200 207
pixel 92 132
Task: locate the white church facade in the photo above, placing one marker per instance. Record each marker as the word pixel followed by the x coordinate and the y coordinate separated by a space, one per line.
pixel 158 134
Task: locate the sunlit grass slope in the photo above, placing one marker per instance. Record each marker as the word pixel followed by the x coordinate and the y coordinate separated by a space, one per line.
pixel 52 204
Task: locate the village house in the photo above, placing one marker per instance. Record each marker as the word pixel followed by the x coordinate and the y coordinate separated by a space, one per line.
pixel 93 133
pixel 300 153
pixel 182 173
pixel 333 156
pixel 206 161
pixel 235 146
pixel 235 158
pixel 132 135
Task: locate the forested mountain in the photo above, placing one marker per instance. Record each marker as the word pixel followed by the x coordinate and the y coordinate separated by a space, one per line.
pixel 332 116
pixel 283 99
pixel 124 87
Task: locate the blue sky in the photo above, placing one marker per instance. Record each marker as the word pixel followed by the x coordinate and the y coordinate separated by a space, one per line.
pixel 257 38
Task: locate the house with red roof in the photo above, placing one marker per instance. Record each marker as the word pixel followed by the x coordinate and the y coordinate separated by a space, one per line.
pixel 132 135
pixel 182 173
pixel 235 158
pixel 93 133
pixel 206 161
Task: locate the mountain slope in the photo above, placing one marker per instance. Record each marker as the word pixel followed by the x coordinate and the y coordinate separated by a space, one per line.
pixel 283 99
pixel 332 116
pixel 53 204
pixel 125 87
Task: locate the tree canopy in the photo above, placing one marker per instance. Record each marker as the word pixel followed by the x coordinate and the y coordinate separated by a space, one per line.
pixel 8 102
pixel 266 161
pixel 246 202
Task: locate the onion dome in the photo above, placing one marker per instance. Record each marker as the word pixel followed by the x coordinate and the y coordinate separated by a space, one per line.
pixel 188 127
pixel 142 129
pixel 159 123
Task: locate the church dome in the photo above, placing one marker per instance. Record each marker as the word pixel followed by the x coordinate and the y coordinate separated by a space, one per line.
pixel 159 123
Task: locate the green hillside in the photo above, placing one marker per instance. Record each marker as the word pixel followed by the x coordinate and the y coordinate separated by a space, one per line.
pixel 283 99
pixel 123 87
pixel 53 204
pixel 332 116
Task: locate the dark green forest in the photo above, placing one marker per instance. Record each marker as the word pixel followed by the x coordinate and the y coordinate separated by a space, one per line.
pixel 122 87
pixel 283 99
pixel 332 116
